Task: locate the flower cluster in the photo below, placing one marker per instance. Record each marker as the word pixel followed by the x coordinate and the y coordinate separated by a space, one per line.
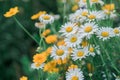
pixel 77 41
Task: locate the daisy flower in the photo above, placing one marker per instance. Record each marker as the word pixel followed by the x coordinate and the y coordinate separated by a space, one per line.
pixel 97 1
pixel 73 40
pixel 74 74
pixel 88 29
pixel 91 50
pixel 45 18
pixel 68 29
pixel 78 16
pixel 79 54
pixel 105 33
pixel 37 66
pixel 59 52
pixel 98 15
pixel 116 31
pixel 83 3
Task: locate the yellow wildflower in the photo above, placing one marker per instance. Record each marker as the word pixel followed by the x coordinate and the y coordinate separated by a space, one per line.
pixel 48 51
pixel 60 61
pixel 72 67
pixel 11 12
pixel 46 32
pixel 23 78
pixel 60 43
pixel 51 67
pixel 37 15
pixel 75 7
pixel 51 39
pixel 108 8
pixel 40 58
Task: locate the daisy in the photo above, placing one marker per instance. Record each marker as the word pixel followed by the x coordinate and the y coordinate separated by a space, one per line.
pixel 104 33
pixel 79 54
pixel 91 50
pixel 68 29
pixel 116 31
pixel 97 1
pixel 74 74
pixel 98 15
pixel 76 17
pixel 37 66
pixel 59 52
pixel 73 40
pixel 83 3
pixel 88 29
pixel 45 18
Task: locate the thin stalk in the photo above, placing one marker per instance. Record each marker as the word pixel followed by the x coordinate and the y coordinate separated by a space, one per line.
pixel 88 5
pixel 39 73
pixel 112 64
pixel 103 61
pixel 21 26
pixel 53 28
pixel 64 11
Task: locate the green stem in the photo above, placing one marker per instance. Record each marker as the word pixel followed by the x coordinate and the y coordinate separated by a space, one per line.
pixel 88 5
pixel 103 61
pixel 25 30
pixel 39 73
pixel 112 64
pixel 64 11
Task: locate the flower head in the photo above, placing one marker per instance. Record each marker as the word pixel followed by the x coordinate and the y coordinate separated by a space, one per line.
pixel 11 12
pixel 37 15
pixel 40 58
pixel 74 74
pixel 59 52
pixel 51 39
pixel 23 78
pixel 105 33
pixel 46 19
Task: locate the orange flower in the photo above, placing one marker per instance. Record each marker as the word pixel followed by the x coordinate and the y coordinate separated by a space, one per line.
pixel 11 12
pixel 39 58
pixel 23 78
pixel 75 7
pixel 51 67
pixel 60 43
pixel 72 67
pixel 51 39
pixel 109 7
pixel 46 32
pixel 37 15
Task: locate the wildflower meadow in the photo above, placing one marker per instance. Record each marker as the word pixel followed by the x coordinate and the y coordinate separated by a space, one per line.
pixel 80 42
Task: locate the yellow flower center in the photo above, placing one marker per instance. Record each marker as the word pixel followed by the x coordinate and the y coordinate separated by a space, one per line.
pixel 116 31
pixel 37 64
pixel 75 78
pixel 73 39
pixel 88 29
pixel 94 0
pixel 91 49
pixel 60 52
pixel 69 29
pixel 91 16
pixel 46 17
pixel 80 53
pixel 84 13
pixel 105 34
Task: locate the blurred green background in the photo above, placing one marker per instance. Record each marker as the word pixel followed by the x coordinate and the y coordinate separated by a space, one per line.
pixel 16 47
